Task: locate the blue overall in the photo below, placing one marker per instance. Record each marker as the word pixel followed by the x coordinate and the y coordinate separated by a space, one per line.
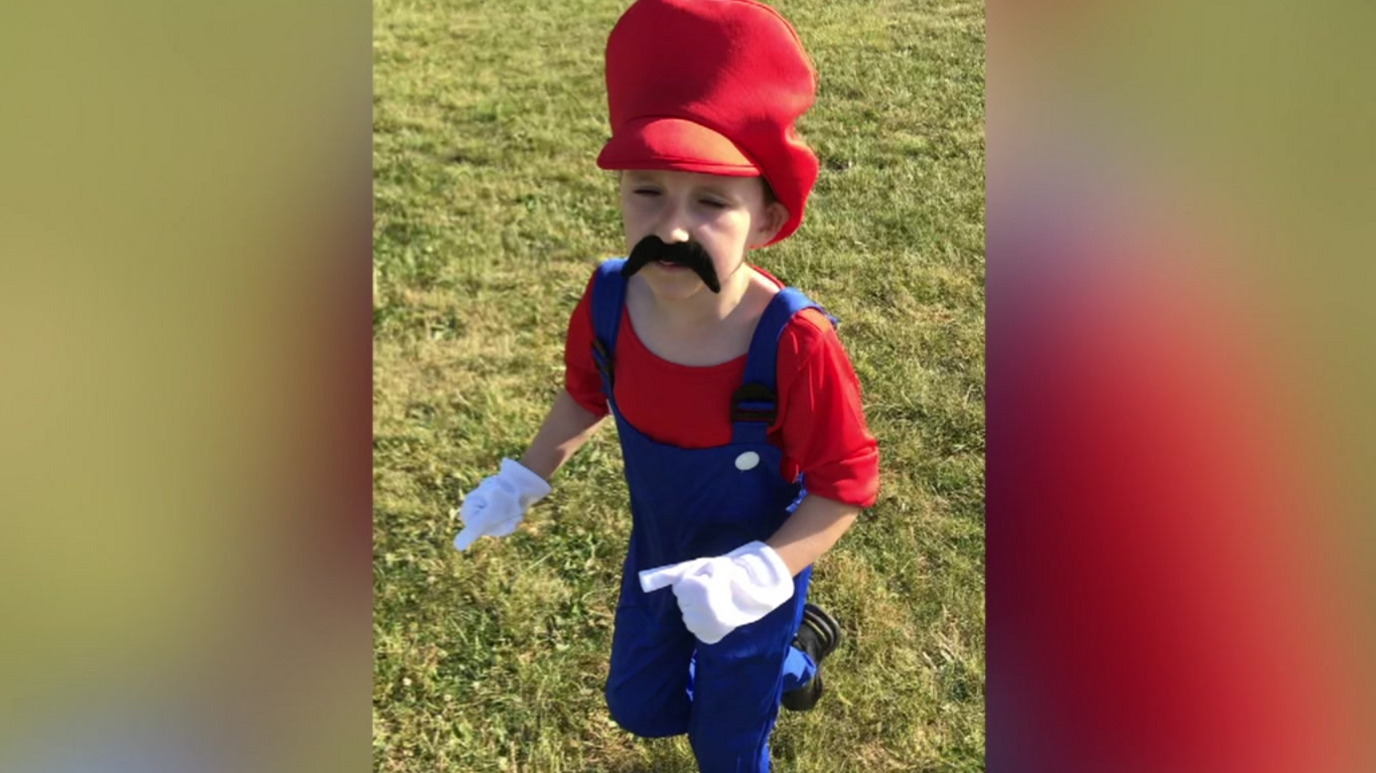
pixel 696 503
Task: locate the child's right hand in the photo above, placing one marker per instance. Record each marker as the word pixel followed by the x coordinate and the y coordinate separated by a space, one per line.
pixel 495 508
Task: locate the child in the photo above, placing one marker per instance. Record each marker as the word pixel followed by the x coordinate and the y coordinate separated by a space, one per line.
pixel 728 390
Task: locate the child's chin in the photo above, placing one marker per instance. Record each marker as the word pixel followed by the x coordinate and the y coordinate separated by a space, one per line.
pixel 673 284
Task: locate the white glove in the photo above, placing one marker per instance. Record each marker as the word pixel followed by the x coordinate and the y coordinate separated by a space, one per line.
pixel 495 508
pixel 718 595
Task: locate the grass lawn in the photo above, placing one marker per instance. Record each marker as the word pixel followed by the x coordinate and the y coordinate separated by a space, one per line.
pixel 489 217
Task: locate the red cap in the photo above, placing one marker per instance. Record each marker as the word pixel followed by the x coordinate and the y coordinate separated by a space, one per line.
pixel 711 86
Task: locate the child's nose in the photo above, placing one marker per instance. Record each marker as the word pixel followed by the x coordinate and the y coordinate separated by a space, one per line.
pixel 676 235
pixel 673 226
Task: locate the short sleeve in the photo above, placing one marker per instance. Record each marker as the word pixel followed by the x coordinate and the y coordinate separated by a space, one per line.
pixel 822 427
pixel 581 379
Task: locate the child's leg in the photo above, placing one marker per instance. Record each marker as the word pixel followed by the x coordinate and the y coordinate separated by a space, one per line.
pixel 647 688
pixel 798 669
pixel 737 685
pixel 736 690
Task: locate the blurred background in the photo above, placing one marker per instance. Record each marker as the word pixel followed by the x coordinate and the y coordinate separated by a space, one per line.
pixel 1180 357
pixel 184 321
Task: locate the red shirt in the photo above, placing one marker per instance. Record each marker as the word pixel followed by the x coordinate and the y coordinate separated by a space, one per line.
pixel 820 426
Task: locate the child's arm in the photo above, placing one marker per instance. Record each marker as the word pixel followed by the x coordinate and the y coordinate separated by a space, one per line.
pixel 812 530
pixel 498 505
pixel 717 595
pixel 822 426
pixel 566 429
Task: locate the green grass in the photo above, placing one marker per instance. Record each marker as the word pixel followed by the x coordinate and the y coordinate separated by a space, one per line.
pixel 489 218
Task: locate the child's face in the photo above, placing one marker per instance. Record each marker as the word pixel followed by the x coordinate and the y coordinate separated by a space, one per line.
pixel 726 215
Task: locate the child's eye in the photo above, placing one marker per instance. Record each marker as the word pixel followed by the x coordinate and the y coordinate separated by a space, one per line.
pixel 713 203
pixel 646 192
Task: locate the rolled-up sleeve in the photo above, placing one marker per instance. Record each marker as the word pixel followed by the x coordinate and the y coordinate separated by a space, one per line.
pixel 822 426
pixel 581 379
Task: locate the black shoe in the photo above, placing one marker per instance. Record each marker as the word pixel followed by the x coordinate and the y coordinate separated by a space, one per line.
pixel 817 636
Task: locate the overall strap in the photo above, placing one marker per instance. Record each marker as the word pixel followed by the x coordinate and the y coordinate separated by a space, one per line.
pixel 755 404
pixel 608 299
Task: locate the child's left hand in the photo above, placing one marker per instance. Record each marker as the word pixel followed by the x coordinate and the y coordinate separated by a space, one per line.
pixel 718 595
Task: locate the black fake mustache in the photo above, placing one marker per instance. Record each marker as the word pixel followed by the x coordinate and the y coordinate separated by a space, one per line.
pixel 689 253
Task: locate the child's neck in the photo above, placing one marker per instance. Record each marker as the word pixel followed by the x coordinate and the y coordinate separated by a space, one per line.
pixel 707 328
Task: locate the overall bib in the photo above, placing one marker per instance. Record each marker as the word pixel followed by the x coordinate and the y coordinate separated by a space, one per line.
pixel 696 503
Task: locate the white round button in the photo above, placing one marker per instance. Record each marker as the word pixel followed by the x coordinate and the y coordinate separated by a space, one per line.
pixel 747 460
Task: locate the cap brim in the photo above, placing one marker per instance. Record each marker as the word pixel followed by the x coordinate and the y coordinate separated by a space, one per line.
pixel 676 144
